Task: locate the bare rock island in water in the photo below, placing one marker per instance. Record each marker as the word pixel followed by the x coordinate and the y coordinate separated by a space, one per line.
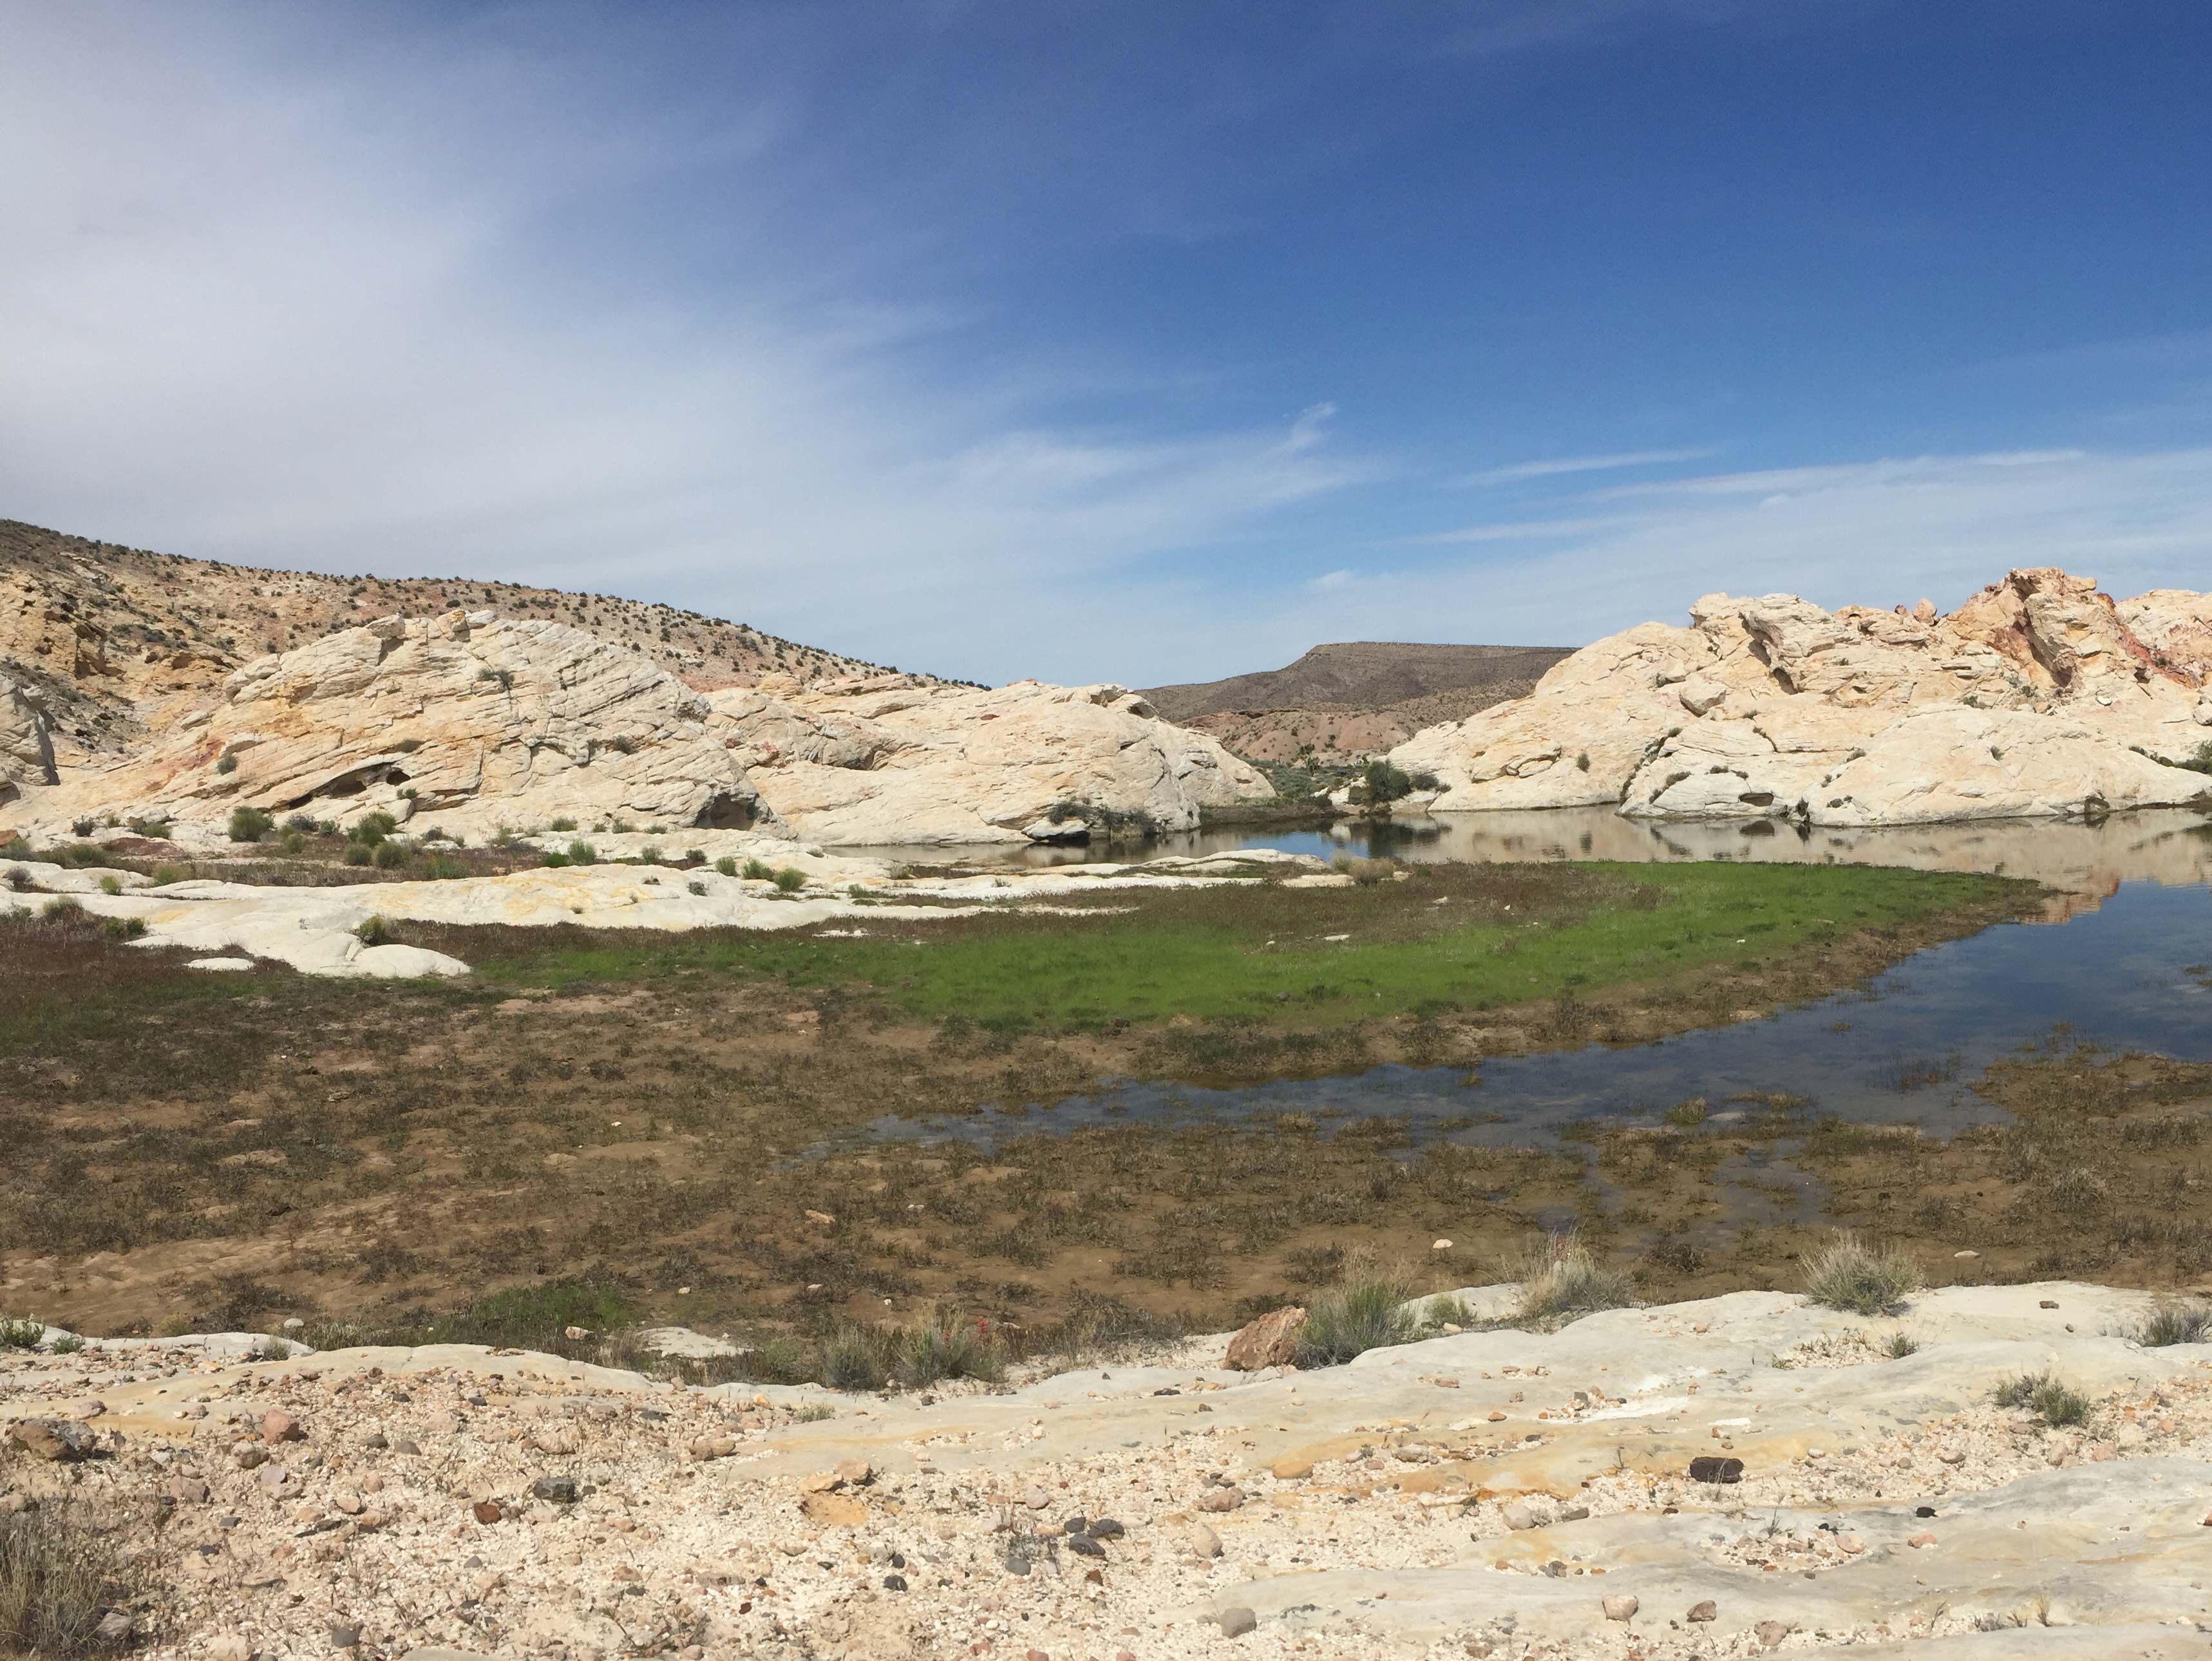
pixel 2040 698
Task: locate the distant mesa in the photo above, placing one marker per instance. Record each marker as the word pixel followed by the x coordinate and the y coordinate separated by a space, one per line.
pixel 1343 702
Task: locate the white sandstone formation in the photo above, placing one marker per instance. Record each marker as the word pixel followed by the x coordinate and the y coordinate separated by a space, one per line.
pixel 27 748
pixel 898 759
pixel 319 930
pixel 2040 698
pixel 474 724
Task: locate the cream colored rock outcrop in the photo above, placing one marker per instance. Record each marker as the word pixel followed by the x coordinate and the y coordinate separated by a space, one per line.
pixel 2040 698
pixel 474 723
pixel 896 759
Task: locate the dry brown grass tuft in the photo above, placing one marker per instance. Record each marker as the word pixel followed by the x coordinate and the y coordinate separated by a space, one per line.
pixel 59 1577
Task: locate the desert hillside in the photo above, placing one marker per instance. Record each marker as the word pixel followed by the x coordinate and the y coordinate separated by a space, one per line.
pixel 110 633
pixel 1345 700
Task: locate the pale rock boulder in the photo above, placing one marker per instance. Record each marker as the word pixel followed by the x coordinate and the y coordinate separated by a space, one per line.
pixel 1954 763
pixel 27 746
pixel 481 721
pixel 1578 739
pixel 2038 698
pixel 893 760
pixel 476 724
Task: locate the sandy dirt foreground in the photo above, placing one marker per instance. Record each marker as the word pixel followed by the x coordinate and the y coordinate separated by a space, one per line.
pixel 1487 1494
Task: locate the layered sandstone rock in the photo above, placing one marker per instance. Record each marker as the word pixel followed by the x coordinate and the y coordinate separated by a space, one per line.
pixel 897 759
pixel 27 748
pixel 477 723
pixel 2038 698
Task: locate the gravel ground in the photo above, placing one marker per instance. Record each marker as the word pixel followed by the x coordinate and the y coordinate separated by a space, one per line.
pixel 1436 1501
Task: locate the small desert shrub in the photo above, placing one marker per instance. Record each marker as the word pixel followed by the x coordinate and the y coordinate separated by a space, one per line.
pixel 790 880
pixel 359 853
pixel 19 880
pixel 58 1576
pixel 696 887
pixel 70 1343
pixel 250 824
pixel 302 824
pixel 814 1413
pixel 292 842
pixel 83 827
pixel 2056 1404
pixel 1851 1276
pixel 583 853
pixel 63 910
pixel 374 930
pixel 228 764
pixel 949 1348
pixel 852 1358
pixel 1581 762
pixel 2174 1323
pixel 1364 1310
pixel 1451 1310
pixel 1685 1114
pixel 562 825
pixel 123 928
pixel 18 1333
pixel 372 828
pixel 389 856
pixel 756 871
pixel 153 829
pixel 782 1360
pixel 111 886
pixel 408 746
pixel 650 856
pixel 1562 1278
pixel 1385 782
pixel 1900 1345
pixel 726 865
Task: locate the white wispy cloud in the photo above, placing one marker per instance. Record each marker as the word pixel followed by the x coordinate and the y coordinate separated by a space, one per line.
pixel 1557 466
pixel 356 304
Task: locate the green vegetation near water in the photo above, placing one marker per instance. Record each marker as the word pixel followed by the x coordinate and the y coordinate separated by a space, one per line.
pixel 1442 939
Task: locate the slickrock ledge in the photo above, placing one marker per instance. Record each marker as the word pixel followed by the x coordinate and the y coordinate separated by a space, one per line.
pixel 1496 1493
pixel 2040 697
pixel 480 724
pixel 319 930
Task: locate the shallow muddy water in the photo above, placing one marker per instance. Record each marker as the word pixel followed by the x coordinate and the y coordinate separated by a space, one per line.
pixel 2128 966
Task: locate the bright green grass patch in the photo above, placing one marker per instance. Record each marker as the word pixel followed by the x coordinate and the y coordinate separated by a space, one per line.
pixel 1259 951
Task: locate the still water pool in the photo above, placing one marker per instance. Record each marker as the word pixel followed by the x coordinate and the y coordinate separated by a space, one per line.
pixel 2125 962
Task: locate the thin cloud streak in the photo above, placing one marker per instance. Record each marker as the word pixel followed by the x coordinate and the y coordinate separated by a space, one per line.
pixel 1555 467
pixel 301 310
pixel 1878 532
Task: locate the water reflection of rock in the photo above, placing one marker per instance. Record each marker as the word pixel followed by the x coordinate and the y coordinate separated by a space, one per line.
pixel 2082 858
pixel 2088 862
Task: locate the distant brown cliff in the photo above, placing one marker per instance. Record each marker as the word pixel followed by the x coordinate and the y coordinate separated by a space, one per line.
pixel 1351 699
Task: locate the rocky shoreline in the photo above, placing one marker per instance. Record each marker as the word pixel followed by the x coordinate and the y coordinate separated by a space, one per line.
pixel 1491 1491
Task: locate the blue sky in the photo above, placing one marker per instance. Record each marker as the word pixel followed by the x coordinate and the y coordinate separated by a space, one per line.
pixel 1121 341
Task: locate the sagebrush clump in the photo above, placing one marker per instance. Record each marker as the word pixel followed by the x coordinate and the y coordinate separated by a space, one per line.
pixel 1562 1278
pixel 1851 1276
pixel 1364 1311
